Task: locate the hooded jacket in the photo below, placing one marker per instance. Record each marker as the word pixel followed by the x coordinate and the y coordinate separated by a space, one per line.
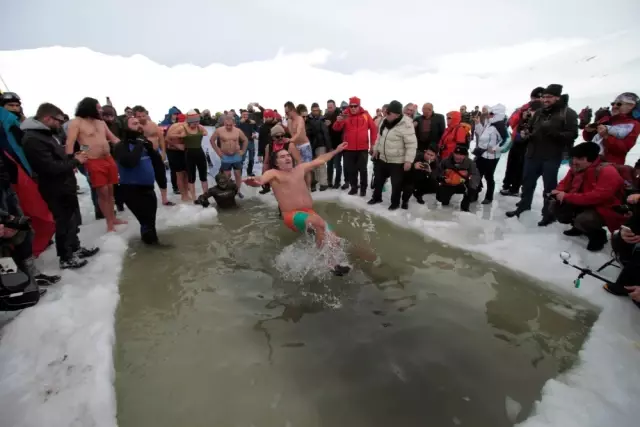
pixel 599 186
pixel 167 118
pixel 453 135
pixel 358 128
pixel 623 131
pixel 54 169
pixel 467 170
pixel 552 131
pixel 397 142
pixel 492 135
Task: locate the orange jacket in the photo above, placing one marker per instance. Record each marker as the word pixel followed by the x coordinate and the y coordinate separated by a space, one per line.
pixel 453 135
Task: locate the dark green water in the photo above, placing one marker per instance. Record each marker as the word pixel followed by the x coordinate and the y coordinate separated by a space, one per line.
pixel 210 334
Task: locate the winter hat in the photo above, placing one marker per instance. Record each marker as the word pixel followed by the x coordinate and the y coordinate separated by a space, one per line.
pixel 277 129
pixel 193 117
pixel 553 90
pixel 181 118
pixel 344 105
pixel 537 92
pixel 394 107
pixel 354 100
pixel 461 149
pixel 268 114
pixel 627 98
pixel 8 97
pixel 499 112
pixel 590 150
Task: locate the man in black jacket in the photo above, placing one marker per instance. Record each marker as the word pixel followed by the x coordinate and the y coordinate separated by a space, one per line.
pixel 56 181
pixel 264 139
pixel 550 134
pixel 430 127
pixel 320 140
pixel 335 164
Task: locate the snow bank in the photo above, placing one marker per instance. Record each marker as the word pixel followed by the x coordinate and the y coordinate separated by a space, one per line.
pixel 56 359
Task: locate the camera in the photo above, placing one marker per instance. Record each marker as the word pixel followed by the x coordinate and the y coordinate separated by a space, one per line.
pixel 624 209
pixel 551 197
pixel 19 223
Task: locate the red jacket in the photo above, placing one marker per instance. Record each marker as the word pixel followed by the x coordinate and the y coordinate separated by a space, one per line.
pixel 360 131
pixel 616 148
pixel 514 120
pixel 453 135
pixel 599 186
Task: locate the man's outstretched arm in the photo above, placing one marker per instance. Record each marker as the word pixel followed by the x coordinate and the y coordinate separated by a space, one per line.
pixel 257 181
pixel 323 158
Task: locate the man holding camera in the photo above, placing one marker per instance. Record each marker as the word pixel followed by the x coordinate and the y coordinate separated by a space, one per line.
pixel 587 195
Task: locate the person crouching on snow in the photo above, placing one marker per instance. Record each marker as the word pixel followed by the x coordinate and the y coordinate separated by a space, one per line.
pixel 425 173
pixel 459 176
pixel 224 193
pixel 137 178
pixel 587 194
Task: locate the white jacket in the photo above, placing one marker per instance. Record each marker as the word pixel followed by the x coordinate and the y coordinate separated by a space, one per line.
pixel 398 144
pixel 489 138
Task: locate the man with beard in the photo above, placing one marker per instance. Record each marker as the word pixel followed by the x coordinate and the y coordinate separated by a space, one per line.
pixel 11 102
pixel 137 176
pixel 154 134
pixel 93 135
pixel 57 182
pixel 264 139
pixel 230 144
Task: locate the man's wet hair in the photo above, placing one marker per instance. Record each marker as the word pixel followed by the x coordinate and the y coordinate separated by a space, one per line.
pixel 48 110
pixel 139 109
pixel 88 109
pixel 289 105
pixel 275 156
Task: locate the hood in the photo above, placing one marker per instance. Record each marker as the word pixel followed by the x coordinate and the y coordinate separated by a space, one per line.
pixel 354 100
pixel 456 118
pixel 499 113
pixel 167 118
pixel 32 124
pixel 344 104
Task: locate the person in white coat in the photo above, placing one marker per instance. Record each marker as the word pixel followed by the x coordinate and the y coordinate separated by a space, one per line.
pixel 490 136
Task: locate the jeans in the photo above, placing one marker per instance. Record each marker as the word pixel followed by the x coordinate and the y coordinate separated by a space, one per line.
pixel 335 163
pixel 251 151
pixel 320 172
pixel 533 169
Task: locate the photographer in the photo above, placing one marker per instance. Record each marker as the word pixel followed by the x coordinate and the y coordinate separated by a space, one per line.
pixel 626 245
pixel 587 195
pixel 459 175
pixel 425 173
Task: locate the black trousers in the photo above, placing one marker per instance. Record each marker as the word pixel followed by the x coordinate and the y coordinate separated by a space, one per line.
pixel 584 218
pixel 195 159
pixel 355 164
pixel 629 258
pixel 487 169
pixel 66 214
pixel 143 204
pixel 515 168
pixel 420 183
pixel 446 192
pixel 159 169
pixel 400 187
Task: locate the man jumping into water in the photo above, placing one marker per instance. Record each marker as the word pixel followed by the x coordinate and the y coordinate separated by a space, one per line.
pixel 291 191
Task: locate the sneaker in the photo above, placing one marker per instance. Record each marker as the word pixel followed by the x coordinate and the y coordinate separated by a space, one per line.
pixel 324 187
pixel 48 278
pixel 353 191
pixel 336 185
pixel 548 220
pixel 374 201
pixel 73 263
pixel 344 186
pixel 572 232
pixel 86 252
pixel 515 213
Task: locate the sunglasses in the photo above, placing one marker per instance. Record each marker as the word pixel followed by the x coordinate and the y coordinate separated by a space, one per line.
pixel 279 136
pixel 353 106
pixel 59 120
pixel 616 104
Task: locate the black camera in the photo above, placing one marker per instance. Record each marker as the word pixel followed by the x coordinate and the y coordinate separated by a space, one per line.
pixel 551 197
pixel 19 223
pixel 623 209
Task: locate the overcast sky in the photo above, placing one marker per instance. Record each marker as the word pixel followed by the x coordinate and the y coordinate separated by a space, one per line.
pixel 364 34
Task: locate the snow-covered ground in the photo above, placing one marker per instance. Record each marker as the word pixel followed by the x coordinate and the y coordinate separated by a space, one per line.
pixel 56 364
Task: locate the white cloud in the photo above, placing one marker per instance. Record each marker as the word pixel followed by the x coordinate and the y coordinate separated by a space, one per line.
pixel 591 72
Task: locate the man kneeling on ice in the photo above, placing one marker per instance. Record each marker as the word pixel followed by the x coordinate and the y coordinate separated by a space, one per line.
pixel 293 195
pixel 224 193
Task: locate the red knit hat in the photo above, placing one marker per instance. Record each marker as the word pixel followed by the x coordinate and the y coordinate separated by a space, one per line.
pixel 269 114
pixel 181 118
pixel 354 100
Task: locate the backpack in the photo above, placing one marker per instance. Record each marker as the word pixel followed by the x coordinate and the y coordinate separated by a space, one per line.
pixel 626 172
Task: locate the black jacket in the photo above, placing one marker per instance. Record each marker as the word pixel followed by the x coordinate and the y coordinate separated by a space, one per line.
pixel 53 168
pixel 336 136
pixel 437 130
pixel 264 137
pixel 552 131
pixel 318 133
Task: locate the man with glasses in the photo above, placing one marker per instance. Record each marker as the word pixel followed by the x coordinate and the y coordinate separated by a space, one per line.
pixel 57 181
pixel 550 134
pixel 360 132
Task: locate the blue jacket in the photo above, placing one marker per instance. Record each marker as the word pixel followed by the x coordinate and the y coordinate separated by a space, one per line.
pixel 134 162
pixel 11 139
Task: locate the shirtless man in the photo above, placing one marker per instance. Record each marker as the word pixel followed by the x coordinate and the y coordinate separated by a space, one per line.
pixel 298 132
pixel 233 145
pixel 159 155
pixel 176 157
pixel 94 136
pixel 293 196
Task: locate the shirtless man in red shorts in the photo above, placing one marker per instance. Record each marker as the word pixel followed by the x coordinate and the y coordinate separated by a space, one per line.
pixel 93 135
pixel 291 191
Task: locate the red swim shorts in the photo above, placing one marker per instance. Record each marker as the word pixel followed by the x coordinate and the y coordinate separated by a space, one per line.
pixel 102 171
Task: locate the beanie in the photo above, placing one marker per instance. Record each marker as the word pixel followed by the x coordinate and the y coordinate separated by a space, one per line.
pixel 193 117
pixel 537 92
pixel 461 149
pixel 588 150
pixel 268 114
pixel 395 107
pixel 553 90
pixel 277 129
pixel 354 100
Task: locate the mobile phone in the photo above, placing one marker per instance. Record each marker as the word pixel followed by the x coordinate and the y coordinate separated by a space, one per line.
pixel 84 148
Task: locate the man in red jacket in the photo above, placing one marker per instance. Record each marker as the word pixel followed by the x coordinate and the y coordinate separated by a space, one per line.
pixel 587 194
pixel 616 134
pixel 360 132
